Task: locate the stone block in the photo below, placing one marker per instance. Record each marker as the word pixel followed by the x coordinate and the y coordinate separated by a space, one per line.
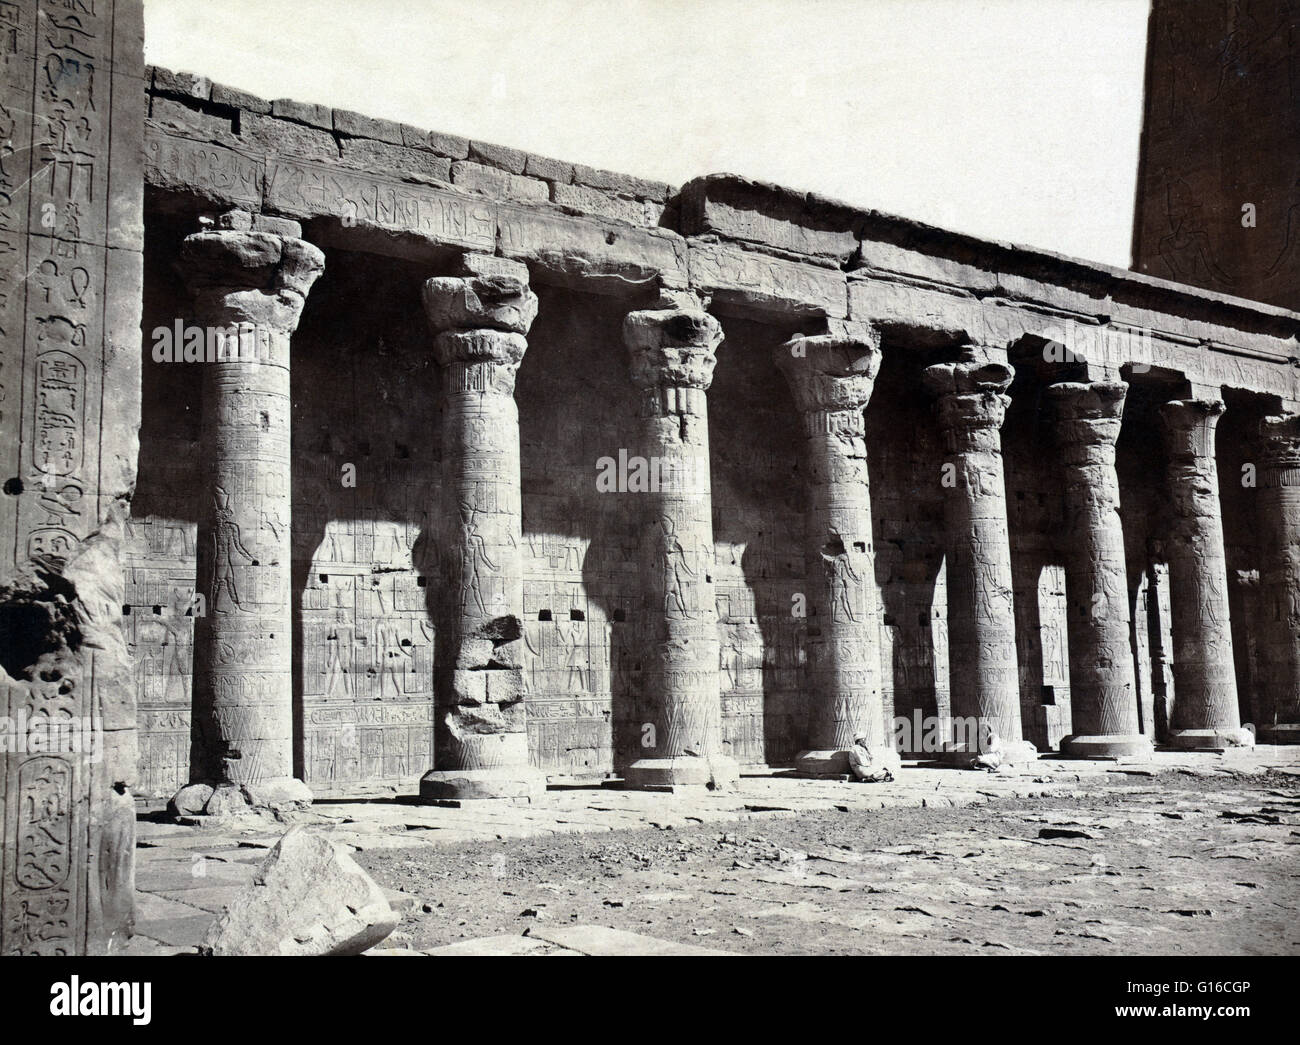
pixel 449 145
pixel 612 181
pixel 558 171
pixel 766 283
pixel 307 898
pixel 355 125
pixel 399 161
pixel 188 85
pixel 495 183
pixel 237 99
pixel 513 161
pixel 321 116
pixel 593 201
pixel 739 208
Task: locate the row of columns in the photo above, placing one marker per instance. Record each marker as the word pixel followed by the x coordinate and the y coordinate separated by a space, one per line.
pixel 252 275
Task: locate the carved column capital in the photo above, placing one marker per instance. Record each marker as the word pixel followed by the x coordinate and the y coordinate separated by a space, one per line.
pixel 1088 416
pixel 971 400
pixel 480 319
pixel 831 377
pixel 1279 438
pixel 673 346
pixel 248 276
pixel 1188 427
pixel 489 293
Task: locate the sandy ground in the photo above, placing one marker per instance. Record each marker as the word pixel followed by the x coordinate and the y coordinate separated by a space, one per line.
pixel 1183 863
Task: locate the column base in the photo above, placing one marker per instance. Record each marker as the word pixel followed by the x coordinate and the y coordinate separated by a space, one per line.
pixel 1280 733
pixel 1015 753
pixel 1209 739
pixel 503 782
pixel 822 764
pixel 717 773
pixel 228 799
pixel 1108 745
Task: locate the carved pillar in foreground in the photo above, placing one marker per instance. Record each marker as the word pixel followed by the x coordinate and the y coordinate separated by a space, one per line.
pixel 672 357
pixel 971 406
pixel 1103 681
pixel 1279 545
pixel 831 377
pixel 479 319
pixel 1205 710
pixel 249 287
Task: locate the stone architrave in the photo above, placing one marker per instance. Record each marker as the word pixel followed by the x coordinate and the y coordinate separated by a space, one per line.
pixel 250 279
pixel 1103 680
pixel 672 358
pixel 480 318
pixel 971 404
pixel 71 274
pixel 1279 529
pixel 1205 712
pixel 831 377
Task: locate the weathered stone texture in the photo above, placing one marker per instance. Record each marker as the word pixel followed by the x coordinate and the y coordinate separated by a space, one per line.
pixel 1279 605
pixel 1103 688
pixel 831 378
pixel 971 403
pixel 1205 711
pixel 249 288
pixel 308 898
pixel 672 359
pixel 71 233
pixel 480 320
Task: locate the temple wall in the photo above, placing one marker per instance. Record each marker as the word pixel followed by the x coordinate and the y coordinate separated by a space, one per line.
pixel 392 206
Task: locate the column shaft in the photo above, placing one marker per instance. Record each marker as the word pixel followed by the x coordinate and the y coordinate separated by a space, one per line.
pixel 672 351
pixel 480 319
pixel 1279 529
pixel 1103 679
pixel 831 378
pixel 971 407
pixel 249 291
pixel 1205 712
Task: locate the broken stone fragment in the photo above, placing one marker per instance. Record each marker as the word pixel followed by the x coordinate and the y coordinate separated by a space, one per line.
pixel 191 800
pixel 307 898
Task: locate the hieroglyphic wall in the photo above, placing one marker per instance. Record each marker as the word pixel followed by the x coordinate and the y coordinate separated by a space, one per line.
pixel 71 189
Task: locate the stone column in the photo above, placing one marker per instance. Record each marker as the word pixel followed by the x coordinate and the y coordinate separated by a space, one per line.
pixel 971 406
pixel 831 377
pixel 1278 642
pixel 672 359
pixel 479 319
pixel 1103 680
pixel 249 282
pixel 1205 713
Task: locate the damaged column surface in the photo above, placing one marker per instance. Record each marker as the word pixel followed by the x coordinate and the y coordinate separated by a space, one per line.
pixel 971 405
pixel 1103 686
pixel 672 358
pixel 250 277
pixel 1279 542
pixel 831 377
pixel 1205 713
pixel 480 318
pixel 71 250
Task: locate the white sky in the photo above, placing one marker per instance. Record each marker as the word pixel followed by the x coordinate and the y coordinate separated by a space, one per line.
pixel 1010 119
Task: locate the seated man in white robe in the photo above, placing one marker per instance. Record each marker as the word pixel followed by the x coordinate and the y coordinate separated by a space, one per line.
pixel 873 764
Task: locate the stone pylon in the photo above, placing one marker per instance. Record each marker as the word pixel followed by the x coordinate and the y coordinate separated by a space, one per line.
pixel 831 377
pixel 250 279
pixel 672 358
pixel 479 318
pixel 1103 681
pixel 971 404
pixel 1279 531
pixel 1205 713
